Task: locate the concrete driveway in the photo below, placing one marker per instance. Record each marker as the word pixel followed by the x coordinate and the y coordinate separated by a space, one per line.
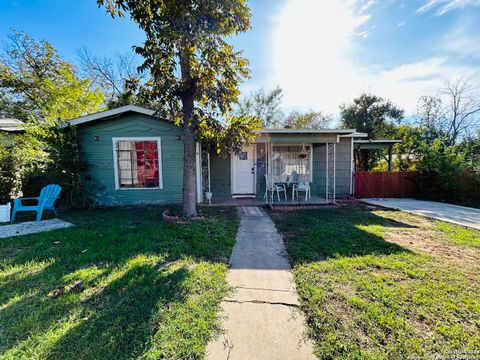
pixel 456 214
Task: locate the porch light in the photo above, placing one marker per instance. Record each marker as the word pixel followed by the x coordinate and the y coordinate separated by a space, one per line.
pixel 304 153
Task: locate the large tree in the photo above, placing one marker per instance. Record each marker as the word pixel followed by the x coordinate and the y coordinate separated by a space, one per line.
pixel 195 72
pixel 453 114
pixel 430 117
pixel 375 116
pixel 118 77
pixel 36 84
pixel 266 106
pixel 462 109
pixel 40 88
pixel 371 114
pixel 310 119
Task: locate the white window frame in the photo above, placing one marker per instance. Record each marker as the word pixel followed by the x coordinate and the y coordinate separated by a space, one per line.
pixel 159 159
pixel 310 160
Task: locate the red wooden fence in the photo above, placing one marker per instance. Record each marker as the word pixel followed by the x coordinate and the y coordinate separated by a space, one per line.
pixel 385 184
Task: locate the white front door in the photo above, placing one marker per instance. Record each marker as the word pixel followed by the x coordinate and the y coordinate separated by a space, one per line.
pixel 243 172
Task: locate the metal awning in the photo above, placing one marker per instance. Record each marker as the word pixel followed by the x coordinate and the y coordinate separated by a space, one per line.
pixel 11 125
pixel 375 144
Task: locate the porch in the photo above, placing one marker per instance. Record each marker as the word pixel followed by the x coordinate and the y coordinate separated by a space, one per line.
pixel 320 158
pixel 314 200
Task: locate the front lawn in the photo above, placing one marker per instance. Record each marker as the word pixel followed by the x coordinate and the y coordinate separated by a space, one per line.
pixel 122 284
pixel 379 284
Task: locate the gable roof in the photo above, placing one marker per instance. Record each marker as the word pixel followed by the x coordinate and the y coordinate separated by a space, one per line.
pixel 149 112
pixel 108 114
pixel 11 125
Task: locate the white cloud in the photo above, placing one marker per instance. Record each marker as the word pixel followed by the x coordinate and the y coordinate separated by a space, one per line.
pixel 315 60
pixel 311 52
pixel 363 34
pixel 461 41
pixel 401 23
pixel 444 6
pixel 367 5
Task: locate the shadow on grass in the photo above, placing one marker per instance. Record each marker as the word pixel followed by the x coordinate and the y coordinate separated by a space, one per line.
pixel 314 235
pixel 91 291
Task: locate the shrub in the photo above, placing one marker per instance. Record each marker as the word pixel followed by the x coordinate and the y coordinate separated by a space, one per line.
pixel 7 173
pixel 55 160
pixel 445 174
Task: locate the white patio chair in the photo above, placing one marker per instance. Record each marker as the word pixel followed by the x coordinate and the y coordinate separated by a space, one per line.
pixel 302 186
pixel 271 187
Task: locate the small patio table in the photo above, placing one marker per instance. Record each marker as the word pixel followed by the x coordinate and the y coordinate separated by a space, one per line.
pixel 288 186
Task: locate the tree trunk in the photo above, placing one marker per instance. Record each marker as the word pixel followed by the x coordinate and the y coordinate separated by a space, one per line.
pixel 190 129
pixel 189 160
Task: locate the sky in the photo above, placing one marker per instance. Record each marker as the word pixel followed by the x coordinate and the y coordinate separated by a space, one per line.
pixel 321 53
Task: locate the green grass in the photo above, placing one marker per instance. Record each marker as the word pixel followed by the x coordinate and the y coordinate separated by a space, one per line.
pixel 122 284
pixel 459 235
pixel 371 288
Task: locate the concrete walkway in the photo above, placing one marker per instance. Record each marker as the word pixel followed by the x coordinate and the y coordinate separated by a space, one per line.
pixel 32 227
pixel 456 214
pixel 262 319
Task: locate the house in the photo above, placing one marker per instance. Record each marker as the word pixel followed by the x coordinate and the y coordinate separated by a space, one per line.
pixel 136 158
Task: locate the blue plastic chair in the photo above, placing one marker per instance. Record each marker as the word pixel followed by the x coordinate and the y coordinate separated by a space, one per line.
pixel 46 201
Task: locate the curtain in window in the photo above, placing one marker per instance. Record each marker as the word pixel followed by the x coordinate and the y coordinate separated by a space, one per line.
pixel 137 163
pixel 287 159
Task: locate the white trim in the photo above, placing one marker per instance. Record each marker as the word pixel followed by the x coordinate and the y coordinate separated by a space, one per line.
pixel 252 196
pixel 351 166
pixel 208 160
pixel 198 171
pixel 254 169
pixel 355 135
pixel 326 171
pixel 108 113
pixel 159 160
pixel 307 131
pixel 334 171
pixel 377 141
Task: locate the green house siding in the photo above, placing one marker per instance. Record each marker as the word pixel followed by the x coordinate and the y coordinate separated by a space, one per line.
pixel 261 170
pixel 220 176
pixel 342 168
pixel 100 160
pixel 318 185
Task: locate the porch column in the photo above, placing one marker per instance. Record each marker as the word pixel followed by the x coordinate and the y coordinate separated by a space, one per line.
pixel 330 171
pixel 269 177
pixel 390 158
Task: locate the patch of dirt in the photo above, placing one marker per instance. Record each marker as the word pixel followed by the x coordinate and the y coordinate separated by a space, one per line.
pixel 345 322
pixel 427 240
pixel 59 290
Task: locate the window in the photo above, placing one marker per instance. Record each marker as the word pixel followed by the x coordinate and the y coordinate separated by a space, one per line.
pixel 243 155
pixel 137 163
pixel 287 159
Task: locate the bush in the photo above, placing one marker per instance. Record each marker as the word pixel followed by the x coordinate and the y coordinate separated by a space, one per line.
pixel 445 175
pixel 54 159
pixel 7 174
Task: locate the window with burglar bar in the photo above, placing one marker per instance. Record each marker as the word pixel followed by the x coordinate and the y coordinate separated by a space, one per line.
pixel 287 159
pixel 138 163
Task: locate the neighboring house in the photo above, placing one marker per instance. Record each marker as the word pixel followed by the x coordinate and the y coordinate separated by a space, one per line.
pixel 8 128
pixel 137 158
